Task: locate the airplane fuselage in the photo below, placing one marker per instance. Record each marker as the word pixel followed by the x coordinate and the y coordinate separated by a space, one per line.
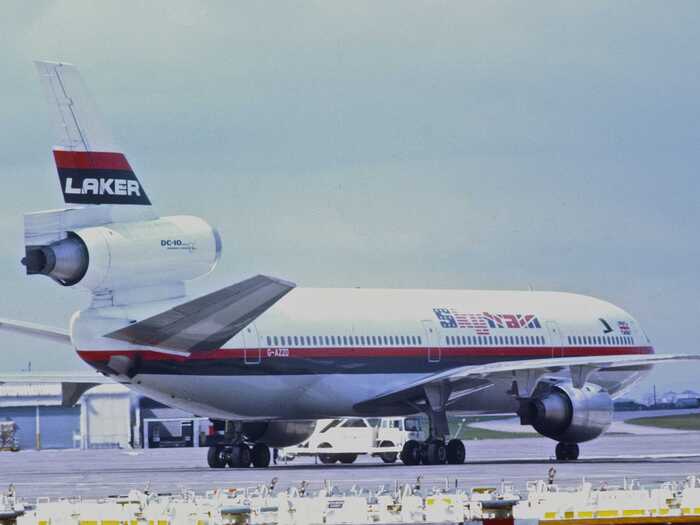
pixel 317 353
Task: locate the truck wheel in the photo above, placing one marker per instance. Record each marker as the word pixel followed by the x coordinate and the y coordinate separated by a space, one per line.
pixel 347 459
pixel 327 459
pixel 388 457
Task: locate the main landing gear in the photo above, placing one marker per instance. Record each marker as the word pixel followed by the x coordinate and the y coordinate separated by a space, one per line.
pixel 433 451
pixel 239 456
pixel 567 451
pixel 236 453
pixel 436 450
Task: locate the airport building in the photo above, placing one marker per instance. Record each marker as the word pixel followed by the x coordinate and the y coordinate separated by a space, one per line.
pixel 107 416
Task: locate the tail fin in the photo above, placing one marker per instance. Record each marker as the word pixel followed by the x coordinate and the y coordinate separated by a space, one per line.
pixel 91 169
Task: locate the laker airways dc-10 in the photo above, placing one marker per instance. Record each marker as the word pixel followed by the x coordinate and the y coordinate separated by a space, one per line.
pixel 264 359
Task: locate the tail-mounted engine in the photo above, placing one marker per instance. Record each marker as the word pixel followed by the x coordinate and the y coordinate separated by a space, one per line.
pixel 118 255
pixel 568 414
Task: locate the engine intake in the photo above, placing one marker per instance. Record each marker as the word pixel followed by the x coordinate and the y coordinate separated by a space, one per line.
pixel 568 414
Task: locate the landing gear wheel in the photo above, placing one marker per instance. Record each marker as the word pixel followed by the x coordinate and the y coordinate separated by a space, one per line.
pixel 567 451
pixel 434 453
pixel 388 457
pixel 456 453
pixel 239 457
pixel 260 455
pixel 347 459
pixel 216 457
pixel 410 454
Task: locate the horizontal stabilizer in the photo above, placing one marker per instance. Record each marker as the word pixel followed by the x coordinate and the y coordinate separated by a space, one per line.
pixel 208 322
pixel 57 335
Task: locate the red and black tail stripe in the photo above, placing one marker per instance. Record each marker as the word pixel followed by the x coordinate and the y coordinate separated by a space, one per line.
pixel 98 177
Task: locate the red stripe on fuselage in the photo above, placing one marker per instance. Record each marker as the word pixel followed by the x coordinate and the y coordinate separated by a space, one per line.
pixel 527 352
pixel 95 160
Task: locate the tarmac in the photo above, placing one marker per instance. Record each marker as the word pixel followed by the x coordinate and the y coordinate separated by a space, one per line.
pixel 100 473
pixel 619 425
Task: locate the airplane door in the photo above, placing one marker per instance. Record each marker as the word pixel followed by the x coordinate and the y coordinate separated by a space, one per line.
pixel 432 340
pixel 555 338
pixel 251 345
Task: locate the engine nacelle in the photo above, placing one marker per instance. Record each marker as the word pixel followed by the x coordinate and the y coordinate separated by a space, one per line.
pixel 569 414
pixel 279 434
pixel 129 255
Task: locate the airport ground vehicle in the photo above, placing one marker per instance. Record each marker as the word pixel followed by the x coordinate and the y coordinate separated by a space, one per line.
pixel 342 440
pixel 263 359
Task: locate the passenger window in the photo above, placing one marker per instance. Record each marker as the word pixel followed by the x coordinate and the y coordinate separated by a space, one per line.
pixel 403 340
pixel 275 340
pixel 420 340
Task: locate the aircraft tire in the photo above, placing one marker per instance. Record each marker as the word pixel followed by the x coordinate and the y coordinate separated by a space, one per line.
pixel 240 457
pixel 567 451
pixel 434 453
pixel 456 454
pixel 216 457
pixel 260 455
pixel 410 454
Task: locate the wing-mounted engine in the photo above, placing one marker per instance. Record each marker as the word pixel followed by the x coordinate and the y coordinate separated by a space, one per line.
pixel 567 414
pixel 112 259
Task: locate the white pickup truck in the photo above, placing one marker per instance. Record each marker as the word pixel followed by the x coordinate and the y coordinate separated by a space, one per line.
pixel 343 440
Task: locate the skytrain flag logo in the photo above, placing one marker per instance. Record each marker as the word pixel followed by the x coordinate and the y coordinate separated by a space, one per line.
pixel 624 328
pixel 483 323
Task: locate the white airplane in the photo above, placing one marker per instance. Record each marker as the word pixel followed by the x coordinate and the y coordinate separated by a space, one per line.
pixel 264 359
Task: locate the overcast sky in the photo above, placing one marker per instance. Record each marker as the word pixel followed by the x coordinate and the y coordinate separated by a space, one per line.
pixel 500 145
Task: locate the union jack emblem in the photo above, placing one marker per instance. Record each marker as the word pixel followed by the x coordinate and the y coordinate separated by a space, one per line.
pixel 624 328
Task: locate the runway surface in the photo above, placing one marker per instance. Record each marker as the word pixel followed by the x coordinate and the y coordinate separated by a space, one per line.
pixel 619 425
pixel 97 473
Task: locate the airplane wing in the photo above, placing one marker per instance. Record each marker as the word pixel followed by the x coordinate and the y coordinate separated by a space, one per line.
pixel 56 335
pixel 209 321
pixel 73 385
pixel 469 379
